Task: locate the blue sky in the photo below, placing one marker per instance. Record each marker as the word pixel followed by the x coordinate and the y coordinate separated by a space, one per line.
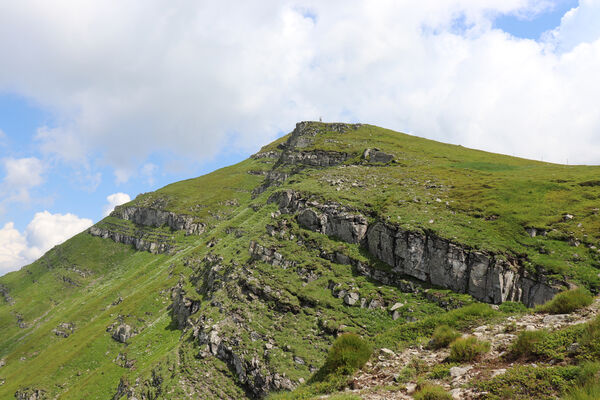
pixel 123 105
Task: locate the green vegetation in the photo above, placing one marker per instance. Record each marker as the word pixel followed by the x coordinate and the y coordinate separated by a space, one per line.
pixel 348 353
pixel 279 312
pixel 528 382
pixel 567 302
pixel 443 336
pixel 467 349
pixel 432 392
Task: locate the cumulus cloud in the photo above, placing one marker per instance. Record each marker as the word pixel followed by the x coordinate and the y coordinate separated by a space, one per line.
pixel 45 231
pixel 22 174
pixel 115 199
pixel 189 78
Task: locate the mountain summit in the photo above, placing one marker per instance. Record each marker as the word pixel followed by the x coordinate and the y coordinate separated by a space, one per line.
pixel 235 284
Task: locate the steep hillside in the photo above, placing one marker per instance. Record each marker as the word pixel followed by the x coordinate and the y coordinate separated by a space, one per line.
pixel 235 284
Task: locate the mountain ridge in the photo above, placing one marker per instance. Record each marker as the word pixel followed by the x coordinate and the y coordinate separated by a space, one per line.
pixel 246 275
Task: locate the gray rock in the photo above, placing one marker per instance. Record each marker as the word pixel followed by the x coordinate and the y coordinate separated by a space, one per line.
pixel 423 256
pixel 122 333
pixel 387 352
pixel 351 298
pixel 573 348
pixel 396 306
pixel 458 372
pixel 497 372
pixel 64 330
pixel 30 394
pixel 556 319
pixel 377 156
pixel 299 360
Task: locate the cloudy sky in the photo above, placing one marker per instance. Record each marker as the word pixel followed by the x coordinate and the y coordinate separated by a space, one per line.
pixel 102 100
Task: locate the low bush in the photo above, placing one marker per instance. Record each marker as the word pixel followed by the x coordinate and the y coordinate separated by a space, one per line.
pixel 348 353
pixel 513 307
pixel 443 336
pixel 567 302
pixel 467 349
pixel 432 392
pixel 525 345
pixel 528 382
pixel 589 341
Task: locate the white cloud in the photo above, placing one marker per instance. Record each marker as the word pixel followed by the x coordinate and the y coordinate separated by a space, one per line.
pixel 115 199
pixel 12 246
pixel 45 231
pixel 579 25
pixel 191 78
pixel 22 174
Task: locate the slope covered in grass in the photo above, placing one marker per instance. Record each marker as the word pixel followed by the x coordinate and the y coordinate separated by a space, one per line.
pixel 252 304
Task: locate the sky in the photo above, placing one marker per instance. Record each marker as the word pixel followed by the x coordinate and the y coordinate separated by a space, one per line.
pixel 103 100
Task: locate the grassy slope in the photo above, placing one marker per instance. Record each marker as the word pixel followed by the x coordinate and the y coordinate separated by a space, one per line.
pixel 485 201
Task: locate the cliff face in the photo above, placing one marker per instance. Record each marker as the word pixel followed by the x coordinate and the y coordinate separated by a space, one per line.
pixel 156 218
pixel 423 255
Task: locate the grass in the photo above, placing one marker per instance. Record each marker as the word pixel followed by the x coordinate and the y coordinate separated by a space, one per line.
pixel 348 353
pixel 467 349
pixel 432 392
pixel 443 336
pixel 485 202
pixel 567 302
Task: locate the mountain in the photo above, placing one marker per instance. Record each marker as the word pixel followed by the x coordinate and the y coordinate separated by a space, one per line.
pixel 235 284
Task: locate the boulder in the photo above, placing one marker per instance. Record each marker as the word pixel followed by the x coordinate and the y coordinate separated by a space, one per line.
pixel 122 333
pixel 351 298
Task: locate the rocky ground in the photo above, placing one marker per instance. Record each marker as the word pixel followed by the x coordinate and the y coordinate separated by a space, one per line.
pixel 378 379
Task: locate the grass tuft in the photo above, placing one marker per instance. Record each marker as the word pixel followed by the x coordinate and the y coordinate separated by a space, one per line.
pixel 432 392
pixel 443 336
pixel 567 302
pixel 467 349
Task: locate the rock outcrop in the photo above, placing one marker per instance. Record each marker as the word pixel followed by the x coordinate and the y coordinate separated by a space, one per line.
pixel 293 155
pixel 250 373
pixel 64 329
pixel 139 242
pixel 122 333
pixel 6 295
pixel 182 307
pixel 423 255
pixel 377 156
pixel 157 218
pixel 30 394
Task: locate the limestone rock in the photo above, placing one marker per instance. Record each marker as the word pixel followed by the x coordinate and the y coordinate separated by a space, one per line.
pixel 64 330
pixel 351 298
pixel 122 333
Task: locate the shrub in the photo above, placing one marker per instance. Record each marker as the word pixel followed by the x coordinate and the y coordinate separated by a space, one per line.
pixel 432 392
pixel 588 383
pixel 525 345
pixel 443 336
pixel 566 302
pixel 589 392
pixel 589 341
pixel 467 349
pixel 512 307
pixel 348 353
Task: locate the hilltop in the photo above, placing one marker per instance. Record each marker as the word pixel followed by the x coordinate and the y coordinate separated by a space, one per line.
pixel 235 284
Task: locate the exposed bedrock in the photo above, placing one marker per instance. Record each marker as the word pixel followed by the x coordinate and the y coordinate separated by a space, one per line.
pixel 139 243
pixel 425 256
pixel 251 373
pixel 156 218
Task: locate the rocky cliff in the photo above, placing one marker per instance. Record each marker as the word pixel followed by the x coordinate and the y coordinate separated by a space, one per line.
pixel 423 255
